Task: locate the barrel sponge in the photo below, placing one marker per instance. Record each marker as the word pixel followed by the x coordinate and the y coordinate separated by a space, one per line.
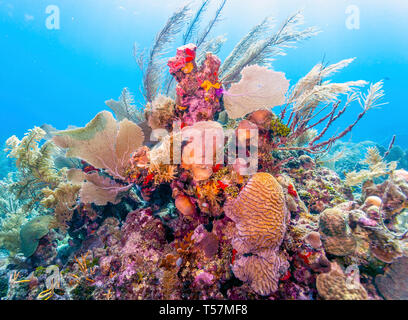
pixel 334 286
pixel 259 213
pixel 336 234
pixel 262 272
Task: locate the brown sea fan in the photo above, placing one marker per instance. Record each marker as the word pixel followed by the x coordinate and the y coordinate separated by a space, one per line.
pixel 103 143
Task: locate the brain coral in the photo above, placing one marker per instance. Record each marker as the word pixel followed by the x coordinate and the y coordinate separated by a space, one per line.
pixel 259 214
pixel 336 234
pixel 393 285
pixel 262 272
pixel 32 232
pixel 260 217
pixel 334 286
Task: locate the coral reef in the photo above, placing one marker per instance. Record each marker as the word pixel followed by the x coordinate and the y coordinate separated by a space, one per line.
pixel 32 232
pixel 158 200
pixel 336 234
pixel 103 143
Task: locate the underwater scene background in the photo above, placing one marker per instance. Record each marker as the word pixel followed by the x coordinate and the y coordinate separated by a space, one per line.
pixel 111 107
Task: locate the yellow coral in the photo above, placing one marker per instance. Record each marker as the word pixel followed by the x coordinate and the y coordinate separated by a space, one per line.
pixel 209 191
pixel 36 166
pixel 207 85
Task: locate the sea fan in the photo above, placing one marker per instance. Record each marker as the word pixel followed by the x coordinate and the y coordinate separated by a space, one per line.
pixel 259 88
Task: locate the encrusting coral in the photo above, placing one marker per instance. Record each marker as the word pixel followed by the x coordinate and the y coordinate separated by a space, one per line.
pixel 336 234
pixel 393 285
pixel 32 232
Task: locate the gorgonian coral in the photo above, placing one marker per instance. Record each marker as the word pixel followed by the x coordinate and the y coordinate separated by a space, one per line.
pixel 125 107
pixel 35 165
pixel 103 143
pixel 259 88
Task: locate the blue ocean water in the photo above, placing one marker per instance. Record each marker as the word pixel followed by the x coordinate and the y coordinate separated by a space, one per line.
pixel 62 77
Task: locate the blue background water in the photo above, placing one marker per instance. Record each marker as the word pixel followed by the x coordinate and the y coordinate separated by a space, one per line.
pixel 63 77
